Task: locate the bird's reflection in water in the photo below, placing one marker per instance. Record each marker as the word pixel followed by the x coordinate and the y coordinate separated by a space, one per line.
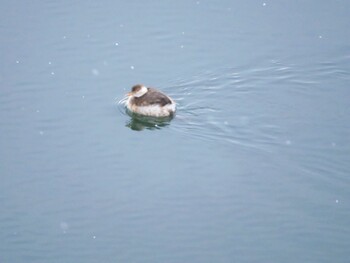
pixel 138 122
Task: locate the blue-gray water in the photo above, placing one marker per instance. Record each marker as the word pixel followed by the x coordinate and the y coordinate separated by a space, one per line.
pixel 253 168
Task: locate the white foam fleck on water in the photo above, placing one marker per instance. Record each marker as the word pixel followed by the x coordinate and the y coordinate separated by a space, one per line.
pixel 64 37
pixel 288 142
pixel 182 46
pixel 50 63
pixel 337 201
pixel 17 61
pixel 226 122
pixel 320 37
pixel 83 97
pixel 94 237
pixel 52 73
pixel 64 226
pixel 41 132
pixel 117 44
pixel 95 72
pixel 132 67
pixel 264 4
pixel 37 111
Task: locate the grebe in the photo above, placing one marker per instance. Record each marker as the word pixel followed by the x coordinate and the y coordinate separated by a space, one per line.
pixel 149 102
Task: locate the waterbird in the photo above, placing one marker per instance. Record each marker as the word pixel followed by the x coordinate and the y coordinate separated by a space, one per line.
pixel 149 102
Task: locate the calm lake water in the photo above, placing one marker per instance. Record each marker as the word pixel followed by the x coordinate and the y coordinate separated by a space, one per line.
pixel 255 166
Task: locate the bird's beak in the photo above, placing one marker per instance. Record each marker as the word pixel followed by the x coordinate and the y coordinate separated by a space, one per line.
pixel 128 94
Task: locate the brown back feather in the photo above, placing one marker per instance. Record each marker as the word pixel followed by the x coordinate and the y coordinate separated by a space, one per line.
pixel 152 97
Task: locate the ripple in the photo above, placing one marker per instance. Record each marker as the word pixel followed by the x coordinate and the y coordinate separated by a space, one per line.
pixel 213 107
pixel 252 107
pixel 219 106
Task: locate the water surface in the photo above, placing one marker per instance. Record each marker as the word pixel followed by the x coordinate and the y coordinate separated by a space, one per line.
pixel 253 168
